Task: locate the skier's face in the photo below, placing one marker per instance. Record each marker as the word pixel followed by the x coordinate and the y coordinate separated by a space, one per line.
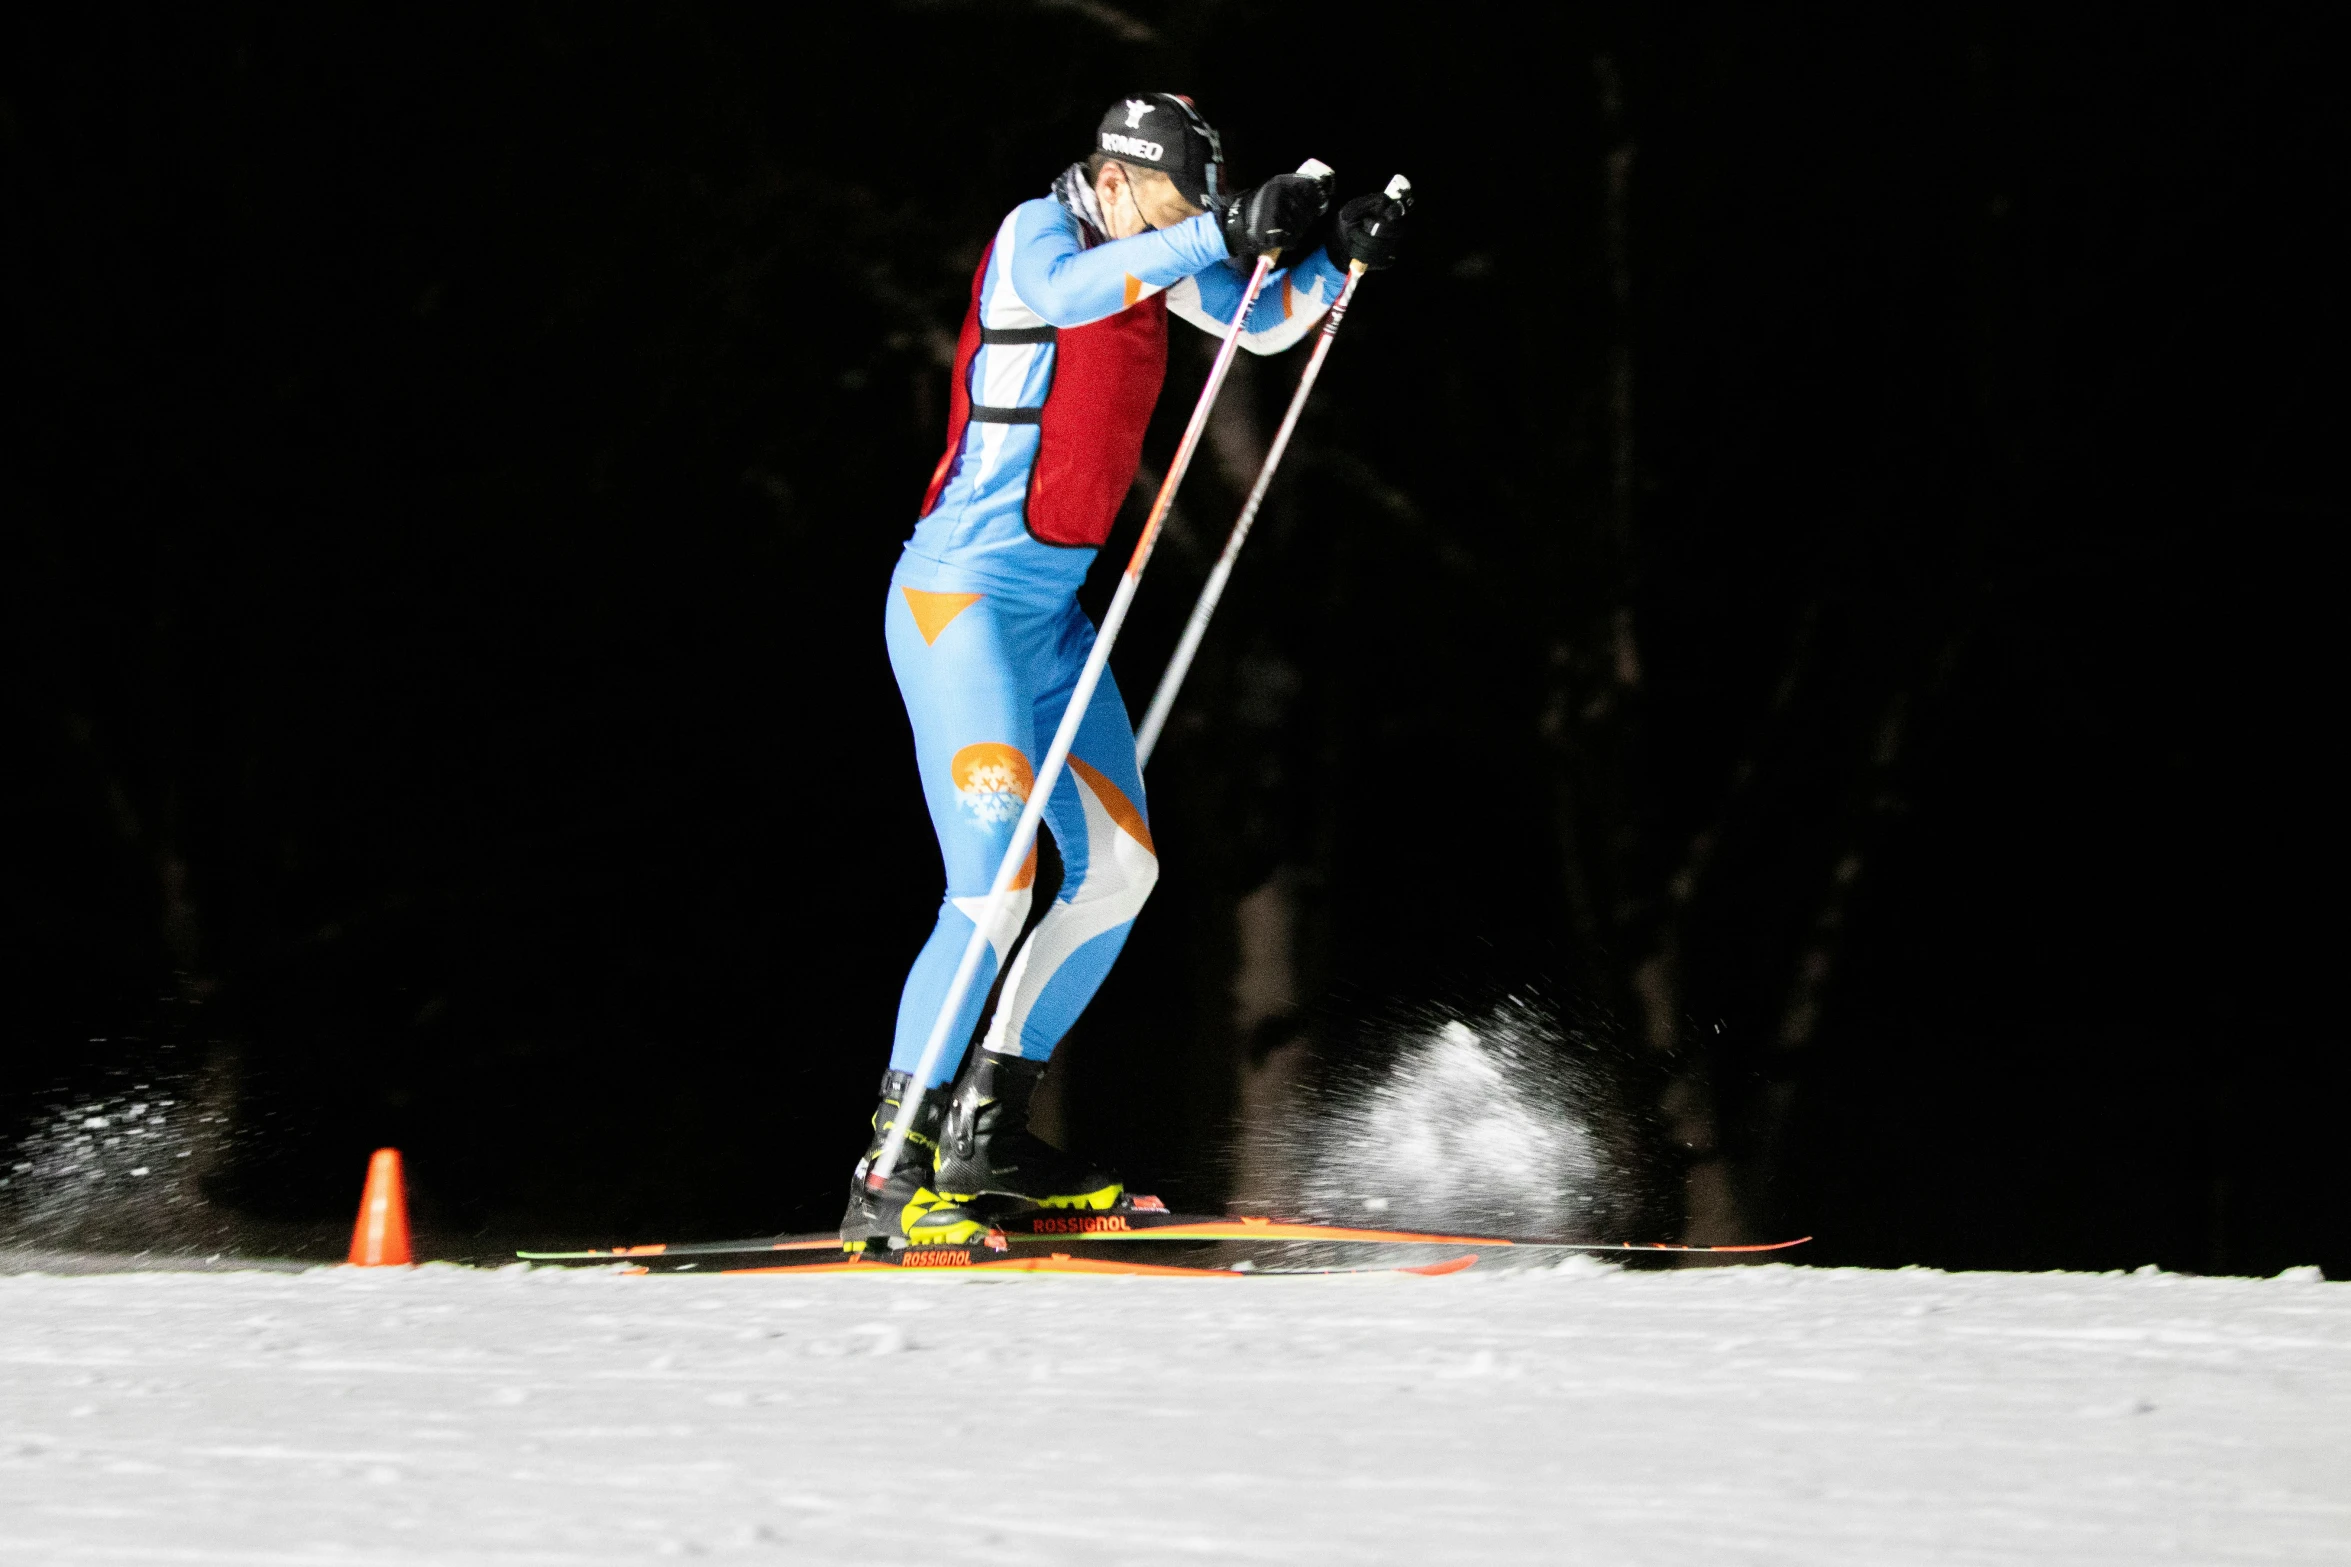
pixel 1136 200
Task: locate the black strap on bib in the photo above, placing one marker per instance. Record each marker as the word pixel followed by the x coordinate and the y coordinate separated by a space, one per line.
pixel 1007 336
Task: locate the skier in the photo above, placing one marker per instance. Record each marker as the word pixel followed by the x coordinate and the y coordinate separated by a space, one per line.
pixel 1060 362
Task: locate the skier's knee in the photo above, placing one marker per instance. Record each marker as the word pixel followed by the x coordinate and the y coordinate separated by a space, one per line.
pixel 1122 880
pixel 1008 923
pixel 1016 911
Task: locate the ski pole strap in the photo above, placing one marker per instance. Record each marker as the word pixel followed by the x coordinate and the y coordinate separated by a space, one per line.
pixel 981 413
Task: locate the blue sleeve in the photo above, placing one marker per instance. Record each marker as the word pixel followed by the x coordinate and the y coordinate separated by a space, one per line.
pixel 1317 278
pixel 1069 285
pixel 1293 300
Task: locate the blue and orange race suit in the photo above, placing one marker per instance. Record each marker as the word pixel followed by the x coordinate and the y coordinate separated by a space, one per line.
pixel 1060 362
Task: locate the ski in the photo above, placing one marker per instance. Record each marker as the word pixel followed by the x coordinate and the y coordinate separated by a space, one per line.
pixel 818 1241
pixel 1144 1224
pixel 978 1259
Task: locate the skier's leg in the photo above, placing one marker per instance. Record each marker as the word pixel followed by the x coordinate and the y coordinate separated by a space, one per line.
pixel 1109 868
pixel 968 686
pixel 966 677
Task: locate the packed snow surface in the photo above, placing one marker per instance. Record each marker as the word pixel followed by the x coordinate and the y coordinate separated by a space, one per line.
pixel 1759 1414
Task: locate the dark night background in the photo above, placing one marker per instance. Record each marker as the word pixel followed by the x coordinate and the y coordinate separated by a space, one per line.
pixel 1809 569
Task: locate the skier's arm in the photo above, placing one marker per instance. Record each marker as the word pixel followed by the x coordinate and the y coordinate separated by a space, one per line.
pixel 1292 301
pixel 1070 286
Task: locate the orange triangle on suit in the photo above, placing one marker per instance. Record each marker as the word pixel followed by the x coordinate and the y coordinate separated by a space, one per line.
pixel 932 611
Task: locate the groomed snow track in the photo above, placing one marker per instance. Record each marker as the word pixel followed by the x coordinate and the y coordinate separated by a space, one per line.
pixel 1578 1414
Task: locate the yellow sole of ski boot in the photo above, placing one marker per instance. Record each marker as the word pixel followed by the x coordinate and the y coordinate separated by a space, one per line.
pixel 915 1220
pixel 1094 1201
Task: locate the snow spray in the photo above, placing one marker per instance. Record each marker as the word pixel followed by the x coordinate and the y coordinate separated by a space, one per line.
pixel 1502 1123
pixel 117 1171
pixel 117 1155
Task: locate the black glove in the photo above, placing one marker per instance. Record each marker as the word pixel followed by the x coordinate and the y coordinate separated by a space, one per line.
pixel 1370 230
pixel 1274 215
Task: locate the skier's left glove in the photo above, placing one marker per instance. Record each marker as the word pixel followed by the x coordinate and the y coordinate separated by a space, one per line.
pixel 1274 215
pixel 1371 229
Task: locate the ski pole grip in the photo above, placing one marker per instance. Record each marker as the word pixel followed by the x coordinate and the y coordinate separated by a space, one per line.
pixel 1313 169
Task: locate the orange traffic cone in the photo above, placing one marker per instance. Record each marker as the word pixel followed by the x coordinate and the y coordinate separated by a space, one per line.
pixel 380 1239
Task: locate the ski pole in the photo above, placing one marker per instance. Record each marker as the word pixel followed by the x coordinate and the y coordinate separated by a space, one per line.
pixel 1024 831
pixel 1155 719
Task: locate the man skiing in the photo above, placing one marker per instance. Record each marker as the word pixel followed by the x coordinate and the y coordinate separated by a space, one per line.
pixel 1061 357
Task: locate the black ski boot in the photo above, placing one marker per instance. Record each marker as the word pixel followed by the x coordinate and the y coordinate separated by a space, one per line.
pixel 906 1210
pixel 987 1149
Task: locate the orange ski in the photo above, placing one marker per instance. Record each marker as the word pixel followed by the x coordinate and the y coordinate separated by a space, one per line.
pixel 957 1259
pixel 961 1260
pixel 1064 1226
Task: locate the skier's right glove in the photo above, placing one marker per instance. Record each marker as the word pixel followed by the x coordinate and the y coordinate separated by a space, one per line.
pixel 1274 215
pixel 1370 230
